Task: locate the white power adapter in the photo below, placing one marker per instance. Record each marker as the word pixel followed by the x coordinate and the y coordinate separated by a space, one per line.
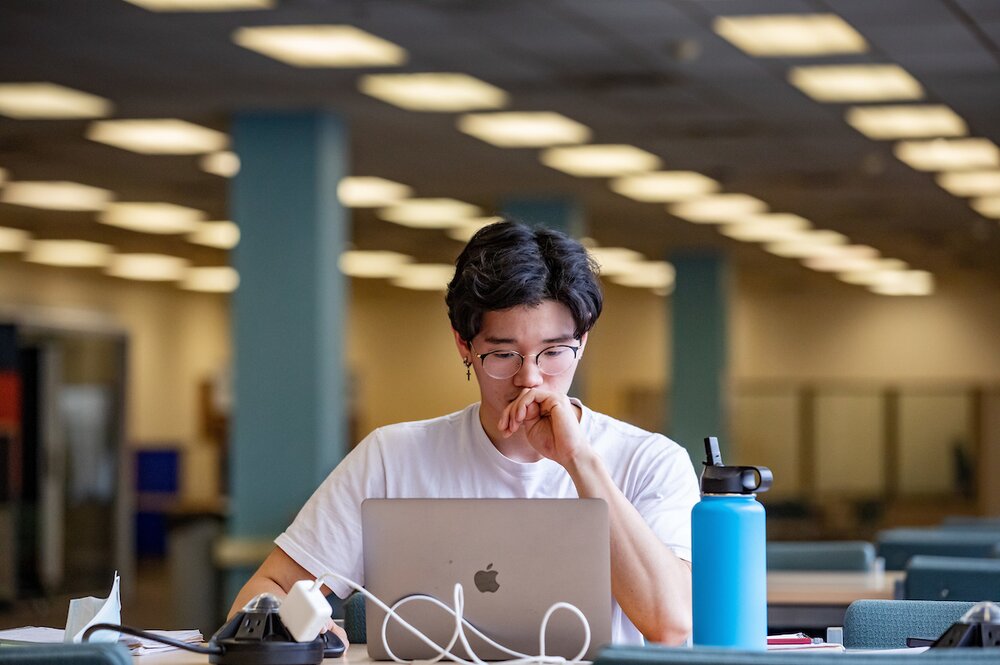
pixel 304 611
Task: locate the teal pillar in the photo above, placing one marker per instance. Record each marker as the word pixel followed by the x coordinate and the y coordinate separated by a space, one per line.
pixel 699 357
pixel 563 214
pixel 289 425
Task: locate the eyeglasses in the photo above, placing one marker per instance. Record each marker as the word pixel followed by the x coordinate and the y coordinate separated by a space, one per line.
pixel 503 364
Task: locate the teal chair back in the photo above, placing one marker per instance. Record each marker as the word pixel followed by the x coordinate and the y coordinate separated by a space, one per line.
pixel 354 619
pixel 885 624
pixel 821 555
pixel 952 578
pixel 897 546
pixel 96 653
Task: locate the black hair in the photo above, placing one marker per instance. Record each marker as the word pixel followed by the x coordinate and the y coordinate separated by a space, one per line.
pixel 507 264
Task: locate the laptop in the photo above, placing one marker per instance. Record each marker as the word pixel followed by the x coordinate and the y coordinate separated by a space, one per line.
pixel 514 557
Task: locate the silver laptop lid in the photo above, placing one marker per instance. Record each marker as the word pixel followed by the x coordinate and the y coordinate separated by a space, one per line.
pixel 514 557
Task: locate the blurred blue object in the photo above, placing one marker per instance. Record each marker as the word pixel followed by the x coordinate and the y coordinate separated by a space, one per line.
pixel 157 480
pixel 885 624
pixel 65 654
pixel 157 470
pixel 897 546
pixel 857 555
pixel 952 578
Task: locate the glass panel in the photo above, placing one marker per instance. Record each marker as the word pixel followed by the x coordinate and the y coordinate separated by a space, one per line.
pixel 850 453
pixel 765 428
pixel 935 443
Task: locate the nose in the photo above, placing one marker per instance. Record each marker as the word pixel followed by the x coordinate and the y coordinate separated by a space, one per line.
pixel 529 376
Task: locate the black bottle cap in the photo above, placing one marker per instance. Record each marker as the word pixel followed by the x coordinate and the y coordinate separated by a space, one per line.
pixel 720 479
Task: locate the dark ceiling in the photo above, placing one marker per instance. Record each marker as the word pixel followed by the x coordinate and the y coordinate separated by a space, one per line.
pixel 651 73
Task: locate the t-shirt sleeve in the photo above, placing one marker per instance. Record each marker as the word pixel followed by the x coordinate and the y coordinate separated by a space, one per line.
pixel 666 491
pixel 326 534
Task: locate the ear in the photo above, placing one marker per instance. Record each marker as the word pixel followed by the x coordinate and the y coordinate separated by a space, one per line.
pixel 463 347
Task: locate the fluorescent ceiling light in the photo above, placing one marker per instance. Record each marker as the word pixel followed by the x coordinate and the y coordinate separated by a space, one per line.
pixel 425 276
pixel 970 183
pixel 371 192
pixel 906 122
pixel 664 186
pixel 905 283
pixel 50 101
pixel 948 154
pixel 466 228
pixel 152 217
pixel 222 234
pixel 600 160
pixel 856 83
pixel 615 260
pixel 524 130
pixel 211 279
pixel 202 5
pixel 844 259
pixel 987 206
pixel 56 195
pixel 718 208
pixel 785 35
pixel 429 213
pixel 873 275
pixel 321 46
pixel 648 275
pixel 224 163
pixel 440 92
pixel 69 253
pixel 167 136
pixel 147 267
pixel 772 227
pixel 808 243
pixel 13 240
pixel 372 263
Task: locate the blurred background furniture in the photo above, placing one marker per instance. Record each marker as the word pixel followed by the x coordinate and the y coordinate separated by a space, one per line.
pixel 896 546
pixel 857 555
pixel 952 578
pixel 885 624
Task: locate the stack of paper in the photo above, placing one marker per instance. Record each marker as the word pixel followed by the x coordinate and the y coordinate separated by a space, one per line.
pixel 136 645
pixel 800 642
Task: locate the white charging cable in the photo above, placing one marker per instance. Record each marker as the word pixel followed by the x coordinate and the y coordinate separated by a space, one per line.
pixel 461 624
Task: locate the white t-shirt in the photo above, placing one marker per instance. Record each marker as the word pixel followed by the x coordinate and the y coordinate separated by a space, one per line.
pixel 451 457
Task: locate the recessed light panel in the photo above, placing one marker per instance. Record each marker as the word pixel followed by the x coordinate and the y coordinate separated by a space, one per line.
pixel 160 218
pixel 844 259
pixel 224 163
pixel 222 234
pixel 904 283
pixel 524 130
pixel 425 276
pixel 13 240
pixel 614 260
pixel 657 275
pixel 429 213
pixel 147 267
pixel 664 186
pixel 787 35
pixel 906 122
pixel 166 136
pixel 372 263
pixel 211 279
pixel 321 46
pixel 718 208
pixel 439 92
pixel 50 101
pixel 202 5
pixel 879 273
pixel 856 83
pixel 463 230
pixel 987 206
pixel 971 183
pixel 772 227
pixel 948 154
pixel 56 195
pixel 69 253
pixel 808 243
pixel 600 161
pixel 371 192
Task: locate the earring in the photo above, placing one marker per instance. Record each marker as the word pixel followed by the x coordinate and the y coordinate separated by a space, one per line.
pixel 468 370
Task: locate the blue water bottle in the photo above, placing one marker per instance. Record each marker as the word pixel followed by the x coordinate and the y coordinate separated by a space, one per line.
pixel 728 557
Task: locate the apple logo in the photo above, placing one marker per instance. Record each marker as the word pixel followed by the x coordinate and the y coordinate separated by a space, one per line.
pixel 486 580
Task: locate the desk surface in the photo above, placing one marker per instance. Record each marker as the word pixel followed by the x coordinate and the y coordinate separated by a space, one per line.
pixel 829 587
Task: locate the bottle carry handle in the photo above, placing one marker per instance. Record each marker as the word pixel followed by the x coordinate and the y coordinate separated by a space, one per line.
pixel 756 478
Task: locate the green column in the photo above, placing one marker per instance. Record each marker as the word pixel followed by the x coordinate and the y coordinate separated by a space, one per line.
pixel 699 358
pixel 289 422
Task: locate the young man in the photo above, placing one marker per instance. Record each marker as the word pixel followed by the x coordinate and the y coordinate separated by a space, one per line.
pixel 521 305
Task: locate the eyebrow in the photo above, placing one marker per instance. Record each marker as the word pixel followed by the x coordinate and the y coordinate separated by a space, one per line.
pixel 510 340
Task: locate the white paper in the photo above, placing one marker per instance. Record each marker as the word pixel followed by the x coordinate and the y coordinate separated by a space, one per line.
pixel 136 645
pixel 85 612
